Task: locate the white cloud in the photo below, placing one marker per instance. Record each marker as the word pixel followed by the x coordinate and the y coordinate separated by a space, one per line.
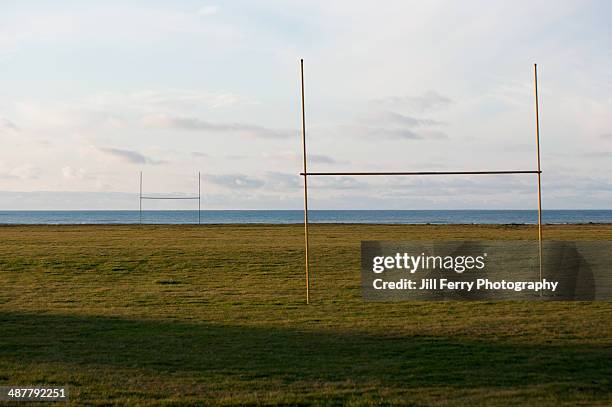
pixel 22 172
pixel 200 154
pixel 115 108
pixel 390 124
pixel 403 120
pixel 165 100
pixel 208 10
pixel 66 115
pixel 7 126
pixel 283 181
pixel 70 173
pixel 427 101
pixel 232 181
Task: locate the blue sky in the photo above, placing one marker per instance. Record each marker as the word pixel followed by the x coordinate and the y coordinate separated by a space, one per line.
pixel 94 92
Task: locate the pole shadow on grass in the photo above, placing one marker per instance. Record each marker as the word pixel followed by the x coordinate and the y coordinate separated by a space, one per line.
pixel 297 356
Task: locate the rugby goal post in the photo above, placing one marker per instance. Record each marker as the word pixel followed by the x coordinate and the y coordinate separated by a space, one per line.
pixel 143 198
pixel 307 174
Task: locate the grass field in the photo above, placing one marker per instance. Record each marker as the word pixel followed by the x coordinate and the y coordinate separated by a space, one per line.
pixel 215 315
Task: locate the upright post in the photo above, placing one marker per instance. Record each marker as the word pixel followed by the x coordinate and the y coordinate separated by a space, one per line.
pixel 305 186
pixel 537 117
pixel 199 197
pixel 140 201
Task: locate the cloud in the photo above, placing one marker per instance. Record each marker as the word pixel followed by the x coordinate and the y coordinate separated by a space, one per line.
pixel 607 136
pixel 7 125
pixel 281 180
pixel 295 157
pixel 67 200
pixel 194 124
pixel 336 183
pixel 427 101
pixel 117 109
pixel 23 172
pixel 208 11
pixel 133 24
pixel 177 99
pixel 199 154
pixel 322 159
pixel 404 120
pixel 129 156
pixel 389 124
pixel 394 133
pixel 81 113
pixel 407 134
pixel 70 173
pixel 235 181
pixel 599 154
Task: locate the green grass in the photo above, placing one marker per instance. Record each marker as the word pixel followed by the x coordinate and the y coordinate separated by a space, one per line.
pixel 215 315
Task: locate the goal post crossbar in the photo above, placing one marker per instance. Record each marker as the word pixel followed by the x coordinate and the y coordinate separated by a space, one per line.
pixel 142 197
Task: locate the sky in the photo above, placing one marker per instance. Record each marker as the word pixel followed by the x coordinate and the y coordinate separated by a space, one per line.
pixel 93 92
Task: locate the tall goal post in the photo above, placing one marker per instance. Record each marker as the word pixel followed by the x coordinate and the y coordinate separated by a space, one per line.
pixel 306 174
pixel 305 185
pixel 537 125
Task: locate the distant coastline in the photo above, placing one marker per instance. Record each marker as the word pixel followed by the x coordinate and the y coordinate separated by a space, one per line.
pixel 433 217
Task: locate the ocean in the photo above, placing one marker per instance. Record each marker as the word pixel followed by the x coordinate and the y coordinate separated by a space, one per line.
pixel 315 216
